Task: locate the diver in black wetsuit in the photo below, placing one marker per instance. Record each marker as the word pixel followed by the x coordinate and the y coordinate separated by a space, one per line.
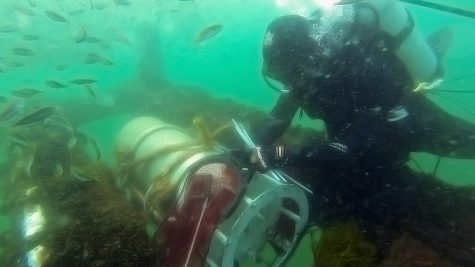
pixel 352 79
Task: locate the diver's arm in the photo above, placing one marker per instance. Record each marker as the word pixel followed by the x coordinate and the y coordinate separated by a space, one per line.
pixel 281 117
pixel 306 156
pixel 368 140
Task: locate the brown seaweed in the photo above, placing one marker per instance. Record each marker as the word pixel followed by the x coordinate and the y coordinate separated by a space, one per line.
pixel 344 245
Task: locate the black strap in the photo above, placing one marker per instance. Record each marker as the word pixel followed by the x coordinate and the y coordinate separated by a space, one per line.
pixel 444 8
pixel 404 33
pixel 375 13
pixel 393 42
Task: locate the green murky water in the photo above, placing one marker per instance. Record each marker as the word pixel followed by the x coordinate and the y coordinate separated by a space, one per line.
pixel 147 43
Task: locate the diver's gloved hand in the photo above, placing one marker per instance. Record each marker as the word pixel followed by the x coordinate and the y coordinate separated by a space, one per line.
pixel 259 158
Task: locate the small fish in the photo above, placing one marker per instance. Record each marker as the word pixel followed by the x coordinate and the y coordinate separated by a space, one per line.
pixel 92 39
pixel 3 99
pixel 22 51
pixel 79 34
pixel 92 58
pixel 23 9
pixel 208 32
pixel 55 16
pixel 17 64
pixel 61 67
pixel 105 46
pixel 26 92
pixel 39 115
pixel 122 39
pixel 122 2
pixel 2 70
pixel 76 11
pixel 107 62
pixel 30 37
pixel 100 5
pixel 83 176
pixel 9 27
pixel 83 81
pixel 55 84
pixel 32 3
pixel 11 110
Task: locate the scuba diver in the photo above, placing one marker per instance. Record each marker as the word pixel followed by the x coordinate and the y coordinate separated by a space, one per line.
pixel 362 75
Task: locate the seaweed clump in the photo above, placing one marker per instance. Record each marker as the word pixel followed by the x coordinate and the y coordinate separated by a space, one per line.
pixel 344 245
pixel 95 227
pixel 87 222
pixel 409 252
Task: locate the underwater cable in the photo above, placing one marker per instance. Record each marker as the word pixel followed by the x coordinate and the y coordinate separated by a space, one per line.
pixel 461 78
pixel 456 80
pixel 456 102
pixel 417 165
pixel 427 4
pixel 444 8
pixel 436 168
pixel 434 87
pixel 455 91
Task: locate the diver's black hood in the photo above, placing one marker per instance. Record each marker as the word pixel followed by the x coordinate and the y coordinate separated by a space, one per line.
pixel 295 48
pixel 286 46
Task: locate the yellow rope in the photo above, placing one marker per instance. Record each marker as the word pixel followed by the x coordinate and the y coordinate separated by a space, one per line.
pixel 425 86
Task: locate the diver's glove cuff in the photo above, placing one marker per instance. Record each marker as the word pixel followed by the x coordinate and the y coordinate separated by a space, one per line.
pixel 264 158
pixel 267 157
pixel 260 158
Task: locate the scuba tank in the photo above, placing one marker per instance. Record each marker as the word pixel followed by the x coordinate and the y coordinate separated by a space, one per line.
pixel 391 18
pixel 411 47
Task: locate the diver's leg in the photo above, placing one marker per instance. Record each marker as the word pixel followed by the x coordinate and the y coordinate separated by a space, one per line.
pixel 435 131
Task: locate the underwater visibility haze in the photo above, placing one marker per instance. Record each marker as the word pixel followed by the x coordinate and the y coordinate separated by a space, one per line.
pixel 74 73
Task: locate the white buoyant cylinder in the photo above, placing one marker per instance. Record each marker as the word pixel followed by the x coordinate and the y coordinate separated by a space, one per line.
pixel 247 224
pixel 167 152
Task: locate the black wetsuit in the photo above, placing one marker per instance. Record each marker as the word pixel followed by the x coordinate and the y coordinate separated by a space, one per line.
pixel 373 122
